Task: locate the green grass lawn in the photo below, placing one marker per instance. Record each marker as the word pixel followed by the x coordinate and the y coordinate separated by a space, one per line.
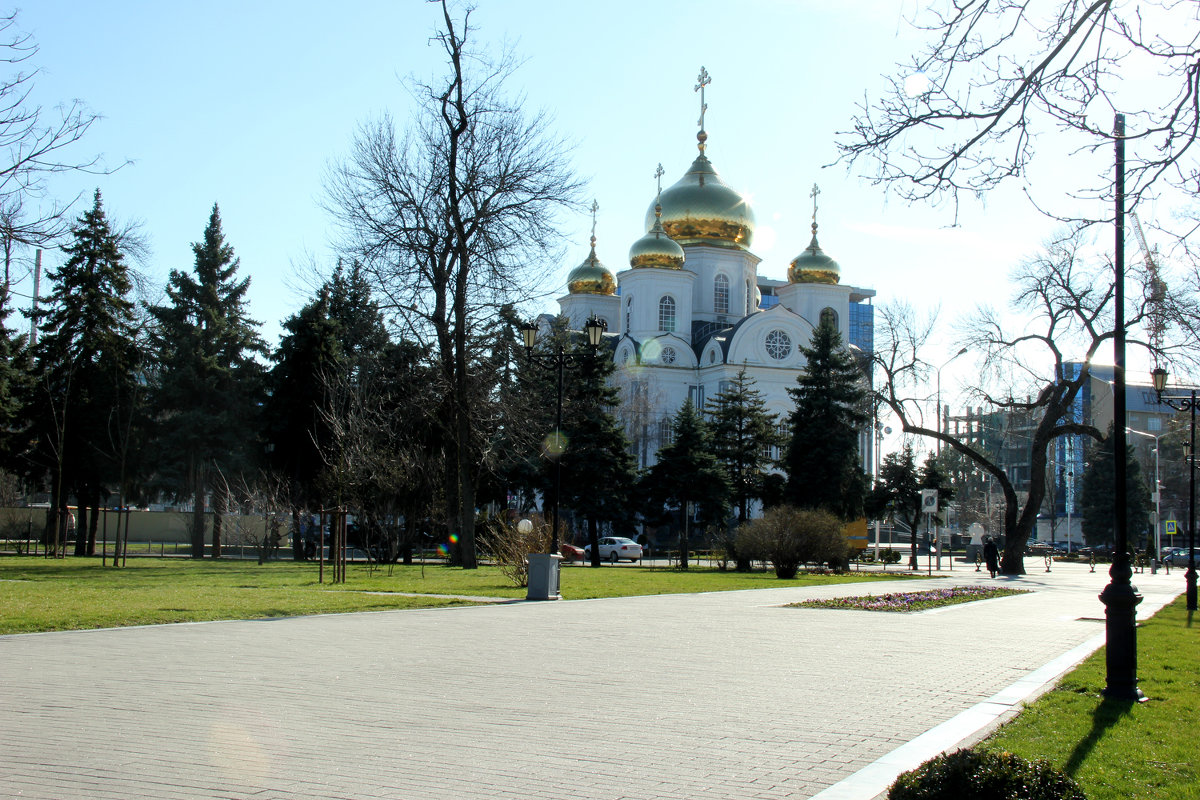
pixel 1118 749
pixel 38 594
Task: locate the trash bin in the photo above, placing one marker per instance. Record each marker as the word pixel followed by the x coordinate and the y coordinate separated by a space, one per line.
pixel 543 576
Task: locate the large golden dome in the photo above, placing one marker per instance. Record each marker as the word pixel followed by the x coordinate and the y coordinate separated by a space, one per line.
pixel 813 266
pixel 656 249
pixel 591 277
pixel 701 208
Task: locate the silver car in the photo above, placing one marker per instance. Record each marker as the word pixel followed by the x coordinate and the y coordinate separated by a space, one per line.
pixel 616 548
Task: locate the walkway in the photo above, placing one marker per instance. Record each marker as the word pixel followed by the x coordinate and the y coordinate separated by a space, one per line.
pixel 700 697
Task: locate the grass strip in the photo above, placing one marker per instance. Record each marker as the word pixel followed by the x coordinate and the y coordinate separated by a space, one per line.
pixel 1119 749
pixel 905 602
pixel 38 594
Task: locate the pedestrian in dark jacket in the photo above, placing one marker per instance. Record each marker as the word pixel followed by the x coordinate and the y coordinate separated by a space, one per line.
pixel 991 554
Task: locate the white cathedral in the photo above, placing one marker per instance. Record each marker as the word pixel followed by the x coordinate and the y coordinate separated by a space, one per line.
pixel 691 311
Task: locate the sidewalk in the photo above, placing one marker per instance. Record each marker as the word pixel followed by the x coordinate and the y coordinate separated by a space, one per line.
pixel 705 697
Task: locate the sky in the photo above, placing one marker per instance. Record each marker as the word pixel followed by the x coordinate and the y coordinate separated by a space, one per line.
pixel 247 104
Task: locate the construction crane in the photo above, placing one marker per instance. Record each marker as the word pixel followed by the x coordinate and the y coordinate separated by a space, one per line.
pixel 1157 287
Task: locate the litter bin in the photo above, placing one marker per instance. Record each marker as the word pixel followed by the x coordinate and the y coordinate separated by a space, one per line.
pixel 543 576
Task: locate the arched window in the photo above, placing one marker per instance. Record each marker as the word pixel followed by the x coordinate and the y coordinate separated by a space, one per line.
pixel 721 294
pixel 829 317
pixel 666 314
pixel 628 314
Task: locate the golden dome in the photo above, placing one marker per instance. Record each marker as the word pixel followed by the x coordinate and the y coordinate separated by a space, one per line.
pixel 656 249
pixel 591 277
pixel 701 208
pixel 813 266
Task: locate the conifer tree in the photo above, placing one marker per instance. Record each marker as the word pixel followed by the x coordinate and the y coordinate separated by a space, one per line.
pixel 208 386
pixel 599 471
pixel 84 370
pixel 687 472
pixel 822 458
pixel 743 434
pixel 1097 505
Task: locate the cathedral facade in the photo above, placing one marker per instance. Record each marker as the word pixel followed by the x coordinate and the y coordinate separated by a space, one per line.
pixel 691 311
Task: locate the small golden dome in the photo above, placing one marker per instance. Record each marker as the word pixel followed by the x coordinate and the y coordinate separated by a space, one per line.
pixel 813 266
pixel 591 277
pixel 701 208
pixel 656 249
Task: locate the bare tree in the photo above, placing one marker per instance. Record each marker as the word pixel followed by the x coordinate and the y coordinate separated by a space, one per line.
pixel 966 113
pixel 454 218
pixel 1065 305
pixel 35 142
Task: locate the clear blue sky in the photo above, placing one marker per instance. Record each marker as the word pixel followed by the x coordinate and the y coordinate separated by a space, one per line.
pixel 246 103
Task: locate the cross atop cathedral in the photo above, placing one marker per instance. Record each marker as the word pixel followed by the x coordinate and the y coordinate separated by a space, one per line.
pixel 703 80
pixel 813 194
pixel 595 208
pixel 658 173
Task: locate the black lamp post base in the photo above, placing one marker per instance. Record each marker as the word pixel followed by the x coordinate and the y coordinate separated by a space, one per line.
pixel 1190 577
pixel 1120 623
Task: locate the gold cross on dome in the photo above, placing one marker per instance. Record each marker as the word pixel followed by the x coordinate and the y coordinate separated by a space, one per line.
pixel 595 208
pixel 658 173
pixel 703 80
pixel 813 194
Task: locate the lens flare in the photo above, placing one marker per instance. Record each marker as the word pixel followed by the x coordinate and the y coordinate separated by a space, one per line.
pixel 554 445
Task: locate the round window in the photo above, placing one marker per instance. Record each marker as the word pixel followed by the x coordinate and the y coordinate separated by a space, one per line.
pixel 668 355
pixel 779 345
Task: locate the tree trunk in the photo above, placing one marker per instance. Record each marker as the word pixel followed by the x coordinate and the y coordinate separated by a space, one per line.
pixel 81 526
pixel 198 521
pixel 218 515
pixel 594 540
pixel 93 526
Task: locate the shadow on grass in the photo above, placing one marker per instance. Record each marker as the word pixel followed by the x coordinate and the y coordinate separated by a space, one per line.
pixel 1189 619
pixel 1106 715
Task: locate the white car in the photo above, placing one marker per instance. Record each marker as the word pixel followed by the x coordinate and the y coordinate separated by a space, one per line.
pixel 616 548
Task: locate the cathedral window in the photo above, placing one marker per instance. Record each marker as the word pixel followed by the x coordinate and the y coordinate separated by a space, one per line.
pixel 829 317
pixel 628 314
pixel 779 345
pixel 666 314
pixel 666 435
pixel 721 294
pixel 749 297
pixel 668 355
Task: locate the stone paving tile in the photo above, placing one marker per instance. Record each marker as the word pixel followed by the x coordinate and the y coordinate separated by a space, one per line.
pixel 721 696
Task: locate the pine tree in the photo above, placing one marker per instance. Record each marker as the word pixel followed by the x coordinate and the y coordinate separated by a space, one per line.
pixel 599 471
pixel 687 472
pixel 84 370
pixel 743 434
pixel 208 386
pixel 822 459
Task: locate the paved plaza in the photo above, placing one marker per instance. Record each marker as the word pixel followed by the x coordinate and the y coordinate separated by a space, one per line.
pixel 718 696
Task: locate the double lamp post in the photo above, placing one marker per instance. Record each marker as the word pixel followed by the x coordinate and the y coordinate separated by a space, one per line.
pixel 1184 402
pixel 544 586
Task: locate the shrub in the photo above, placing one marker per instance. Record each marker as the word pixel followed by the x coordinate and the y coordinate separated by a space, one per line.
pixel 890 556
pixel 788 537
pixel 984 775
pixel 511 548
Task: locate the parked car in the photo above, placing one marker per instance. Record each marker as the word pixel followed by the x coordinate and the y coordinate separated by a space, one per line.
pixel 570 552
pixel 615 548
pixel 1180 557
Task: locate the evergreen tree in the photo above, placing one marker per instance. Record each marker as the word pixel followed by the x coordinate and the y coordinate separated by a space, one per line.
pixel 822 459
pixel 1097 503
pixel 85 365
pixel 598 470
pixel 687 472
pixel 743 434
pixel 208 386
pixel 897 494
pixel 14 376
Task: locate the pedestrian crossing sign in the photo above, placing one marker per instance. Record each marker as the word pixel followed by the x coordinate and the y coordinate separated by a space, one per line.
pixel 1170 527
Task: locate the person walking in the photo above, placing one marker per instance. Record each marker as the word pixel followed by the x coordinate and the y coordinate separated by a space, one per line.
pixel 991 554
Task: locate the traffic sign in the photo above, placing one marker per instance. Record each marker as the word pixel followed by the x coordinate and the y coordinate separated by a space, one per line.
pixel 1170 527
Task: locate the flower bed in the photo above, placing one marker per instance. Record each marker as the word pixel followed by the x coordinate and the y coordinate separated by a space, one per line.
pixel 912 601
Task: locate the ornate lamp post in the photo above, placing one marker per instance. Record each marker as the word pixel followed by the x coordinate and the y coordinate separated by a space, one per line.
pixel 1184 402
pixel 558 360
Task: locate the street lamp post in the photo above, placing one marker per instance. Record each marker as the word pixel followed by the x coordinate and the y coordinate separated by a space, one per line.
pixel 558 361
pixel 1184 402
pixel 1157 492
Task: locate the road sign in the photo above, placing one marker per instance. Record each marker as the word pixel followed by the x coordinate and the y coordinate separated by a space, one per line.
pixel 929 501
pixel 1170 527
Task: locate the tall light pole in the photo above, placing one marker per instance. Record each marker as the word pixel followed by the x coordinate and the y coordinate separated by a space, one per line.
pixel 1120 597
pixel 945 364
pixel 1184 402
pixel 558 360
pixel 1157 491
